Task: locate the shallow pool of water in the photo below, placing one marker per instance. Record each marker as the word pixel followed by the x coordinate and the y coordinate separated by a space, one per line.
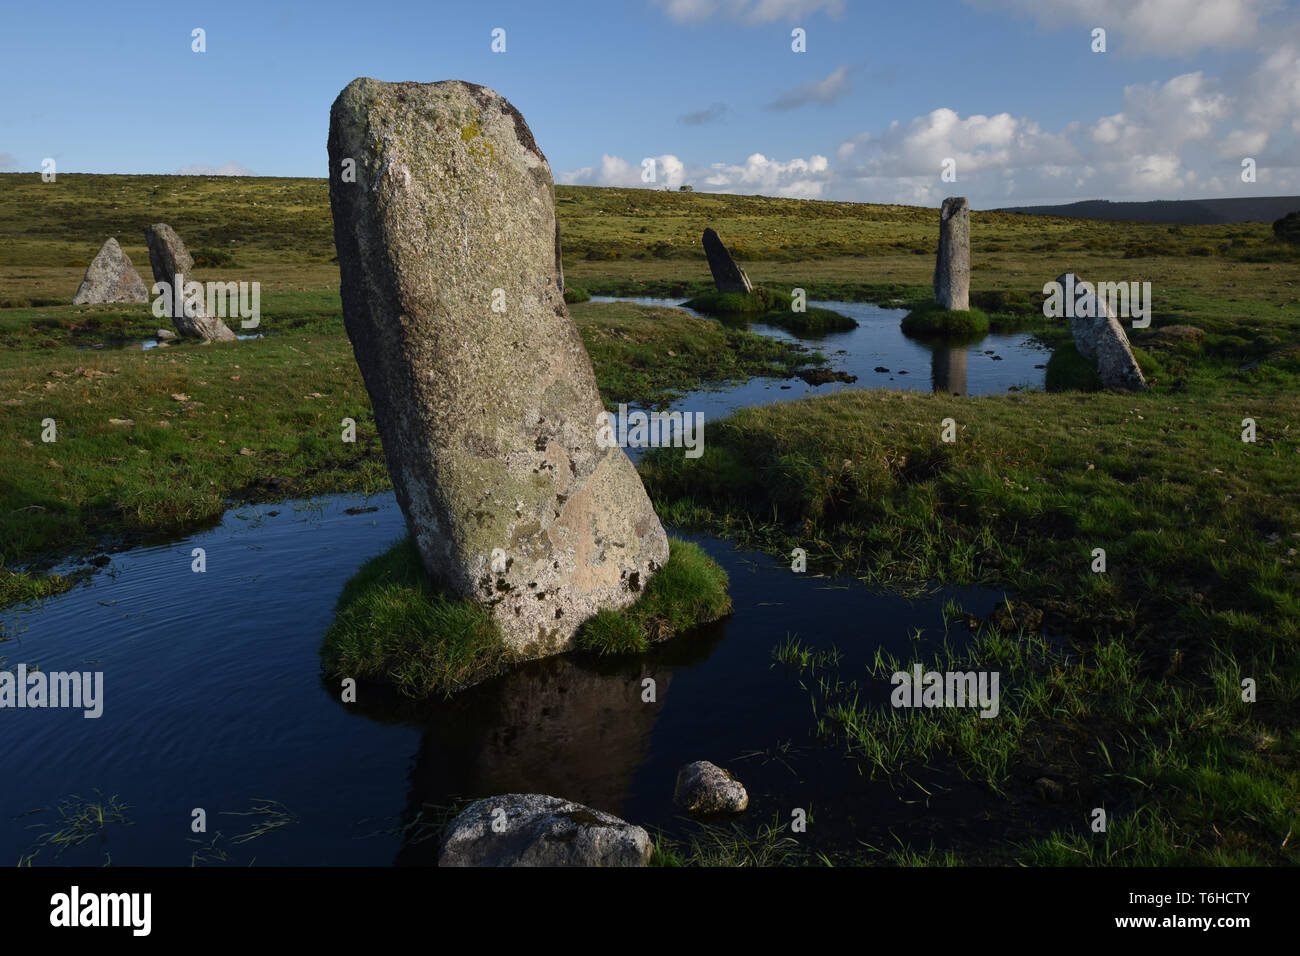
pixel 213 699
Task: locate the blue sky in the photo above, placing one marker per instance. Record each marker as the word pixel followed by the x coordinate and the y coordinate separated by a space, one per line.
pixel 1008 89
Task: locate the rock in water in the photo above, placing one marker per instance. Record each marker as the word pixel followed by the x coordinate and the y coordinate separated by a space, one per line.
pixel 169 260
pixel 727 276
pixel 1099 337
pixel 483 394
pixel 704 788
pixel 952 264
pixel 530 829
pixel 111 277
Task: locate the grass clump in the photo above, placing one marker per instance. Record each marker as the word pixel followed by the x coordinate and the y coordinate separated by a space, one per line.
pixel 689 590
pixel 770 307
pixel 1069 371
pixel 576 293
pixel 931 320
pixel 391 626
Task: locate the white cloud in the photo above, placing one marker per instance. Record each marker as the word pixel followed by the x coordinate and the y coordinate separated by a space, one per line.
pixel 1150 27
pixel 824 91
pixel 747 11
pixel 616 171
pixel 225 169
pixel 798 178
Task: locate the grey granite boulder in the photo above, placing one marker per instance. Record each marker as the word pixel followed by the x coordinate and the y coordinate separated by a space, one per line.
pixel 952 264
pixel 727 276
pixel 1099 337
pixel 483 394
pixel 704 788
pixel 111 277
pixel 530 829
pixel 172 263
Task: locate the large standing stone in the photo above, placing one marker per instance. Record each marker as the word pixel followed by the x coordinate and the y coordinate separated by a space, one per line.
pixel 169 260
pixel 727 276
pixel 536 830
pixel 483 394
pixel 111 277
pixel 559 264
pixel 952 264
pixel 1098 335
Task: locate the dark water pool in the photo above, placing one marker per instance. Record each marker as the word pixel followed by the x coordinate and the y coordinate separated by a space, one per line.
pixel 213 699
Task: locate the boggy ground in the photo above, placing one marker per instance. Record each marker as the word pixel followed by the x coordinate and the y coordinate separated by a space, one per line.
pixel 1134 706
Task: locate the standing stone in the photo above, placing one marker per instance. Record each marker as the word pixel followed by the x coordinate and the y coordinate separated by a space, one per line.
pixel 727 276
pixel 111 277
pixel 483 394
pixel 1098 335
pixel 169 259
pixel 952 264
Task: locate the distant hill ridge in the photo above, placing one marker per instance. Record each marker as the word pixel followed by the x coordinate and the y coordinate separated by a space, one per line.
pixel 1191 212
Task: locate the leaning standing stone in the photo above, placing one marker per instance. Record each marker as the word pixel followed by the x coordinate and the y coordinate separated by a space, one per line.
pixel 111 277
pixel 1099 337
pixel 483 393
pixel 952 264
pixel 727 276
pixel 173 264
pixel 531 829
pixel 704 788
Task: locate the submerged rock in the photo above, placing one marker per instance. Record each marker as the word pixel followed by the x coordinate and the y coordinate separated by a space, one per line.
pixel 530 829
pixel 483 393
pixel 727 276
pixel 705 788
pixel 1099 337
pixel 952 264
pixel 172 264
pixel 111 277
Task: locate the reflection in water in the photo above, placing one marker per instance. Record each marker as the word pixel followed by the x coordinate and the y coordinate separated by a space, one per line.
pixel 948 369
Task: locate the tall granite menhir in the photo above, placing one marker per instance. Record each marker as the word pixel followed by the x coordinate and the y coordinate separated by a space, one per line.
pixel 952 264
pixel 172 264
pixel 727 276
pixel 488 418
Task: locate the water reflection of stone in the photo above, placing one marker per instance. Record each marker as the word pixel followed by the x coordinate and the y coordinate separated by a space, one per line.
pixel 948 369
pixel 561 726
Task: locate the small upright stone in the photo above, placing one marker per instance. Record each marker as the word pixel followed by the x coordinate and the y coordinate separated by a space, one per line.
pixel 704 788
pixel 952 264
pixel 172 263
pixel 727 276
pixel 483 394
pixel 1099 337
pixel 111 277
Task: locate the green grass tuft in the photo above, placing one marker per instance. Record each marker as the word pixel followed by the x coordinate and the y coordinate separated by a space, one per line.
pixel 930 320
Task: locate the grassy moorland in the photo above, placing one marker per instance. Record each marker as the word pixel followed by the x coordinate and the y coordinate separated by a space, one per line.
pixel 1134 706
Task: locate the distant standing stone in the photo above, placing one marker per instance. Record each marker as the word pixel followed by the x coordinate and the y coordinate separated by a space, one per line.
pixel 1099 337
pixel 952 264
pixel 531 829
pixel 169 259
pixel 111 277
pixel 483 394
pixel 727 276
pixel 704 788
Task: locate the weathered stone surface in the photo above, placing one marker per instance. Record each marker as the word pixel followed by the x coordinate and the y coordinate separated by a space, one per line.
pixel 537 830
pixel 952 264
pixel 164 335
pixel 727 276
pixel 111 277
pixel 1099 337
pixel 169 259
pixel 704 788
pixel 488 418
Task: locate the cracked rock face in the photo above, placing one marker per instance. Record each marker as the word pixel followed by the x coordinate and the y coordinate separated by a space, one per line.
pixel 483 393
pixel 952 264
pixel 530 829
pixel 111 277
